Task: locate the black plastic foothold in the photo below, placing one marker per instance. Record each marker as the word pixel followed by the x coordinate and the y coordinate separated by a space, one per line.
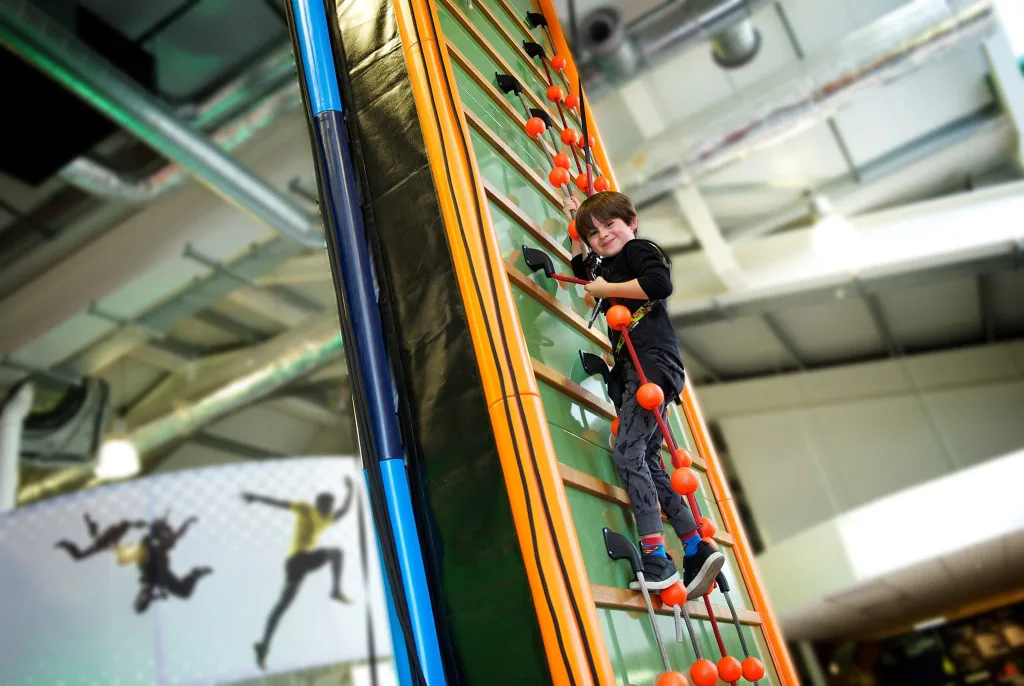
pixel 723 583
pixel 621 548
pixel 532 49
pixel 538 259
pixel 508 84
pixel 595 364
pixel 536 19
pixel 541 114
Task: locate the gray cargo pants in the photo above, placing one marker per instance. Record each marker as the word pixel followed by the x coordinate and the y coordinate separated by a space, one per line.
pixel 637 456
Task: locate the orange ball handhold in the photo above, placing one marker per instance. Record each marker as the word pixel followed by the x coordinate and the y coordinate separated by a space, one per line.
pixel 684 481
pixel 618 317
pixel 707 528
pixel 753 669
pixel 568 136
pixel 535 127
pixel 583 142
pixel 650 396
pixel 572 101
pixel 704 673
pixel 672 679
pixel 582 183
pixel 601 184
pixel 562 160
pixel 674 594
pixel 573 233
pixel 729 669
pixel 682 458
pixel 557 62
pixel 555 94
pixel 615 427
pixel 558 177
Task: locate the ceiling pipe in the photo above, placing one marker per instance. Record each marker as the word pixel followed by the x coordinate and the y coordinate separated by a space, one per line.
pixel 275 365
pixel 40 41
pixel 619 52
pixel 901 41
pixel 230 115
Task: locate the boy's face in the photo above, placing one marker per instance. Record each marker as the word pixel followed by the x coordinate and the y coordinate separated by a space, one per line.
pixel 611 236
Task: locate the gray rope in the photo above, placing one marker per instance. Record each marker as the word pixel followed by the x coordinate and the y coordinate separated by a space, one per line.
pixel 654 620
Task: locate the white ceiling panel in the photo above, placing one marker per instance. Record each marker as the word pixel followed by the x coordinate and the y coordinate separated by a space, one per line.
pixel 842 328
pixel 924 315
pixel 767 449
pixel 907 109
pixel 818 24
pixel 897 453
pixel 688 83
pixel 738 346
pixel 981 422
pixel 153 286
pixel 618 128
pixel 806 160
pixel 63 341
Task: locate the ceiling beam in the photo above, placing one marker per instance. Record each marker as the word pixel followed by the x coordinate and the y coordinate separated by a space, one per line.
pixel 231 325
pixel 1005 72
pixel 988 321
pixel 785 340
pixel 233 446
pixel 885 333
pixel 703 225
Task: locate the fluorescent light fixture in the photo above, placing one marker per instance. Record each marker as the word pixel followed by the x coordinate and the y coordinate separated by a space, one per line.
pixel 118 460
pixel 833 237
pixel 929 623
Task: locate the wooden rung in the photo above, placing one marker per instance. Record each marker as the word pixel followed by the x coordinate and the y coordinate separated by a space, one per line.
pixel 536 101
pixel 563 311
pixel 585 397
pixel 521 166
pixel 550 244
pixel 625 599
pixel 497 97
pixel 612 493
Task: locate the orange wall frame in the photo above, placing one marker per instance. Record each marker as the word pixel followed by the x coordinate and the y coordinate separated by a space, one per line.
pixel 751 578
pixel 564 603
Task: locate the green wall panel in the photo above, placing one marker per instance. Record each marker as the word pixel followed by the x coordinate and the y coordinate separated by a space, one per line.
pixel 549 339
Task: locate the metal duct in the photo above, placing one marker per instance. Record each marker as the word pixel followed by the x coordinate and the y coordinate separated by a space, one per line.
pixel 301 353
pixel 43 43
pixel 229 113
pixel 98 179
pixel 894 45
pixel 619 52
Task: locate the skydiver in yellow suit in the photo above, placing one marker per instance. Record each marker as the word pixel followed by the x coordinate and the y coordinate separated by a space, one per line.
pixel 311 521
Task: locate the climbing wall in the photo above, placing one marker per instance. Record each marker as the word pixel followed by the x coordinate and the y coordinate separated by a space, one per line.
pixel 507 437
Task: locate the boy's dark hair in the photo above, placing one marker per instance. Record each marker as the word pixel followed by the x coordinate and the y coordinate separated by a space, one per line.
pixel 600 207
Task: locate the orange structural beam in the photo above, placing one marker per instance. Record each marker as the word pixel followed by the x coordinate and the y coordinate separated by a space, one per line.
pixel 751 579
pixel 562 597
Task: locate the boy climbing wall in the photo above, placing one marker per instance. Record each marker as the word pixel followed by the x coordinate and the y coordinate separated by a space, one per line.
pixel 636 273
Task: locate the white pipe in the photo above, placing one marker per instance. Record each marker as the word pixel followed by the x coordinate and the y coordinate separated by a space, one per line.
pixel 12 422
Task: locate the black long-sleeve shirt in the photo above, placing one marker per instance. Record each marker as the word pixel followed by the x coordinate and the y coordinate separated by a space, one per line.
pixel 654 337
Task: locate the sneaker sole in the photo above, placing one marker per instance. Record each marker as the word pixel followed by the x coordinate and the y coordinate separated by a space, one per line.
pixel 706 576
pixel 656 585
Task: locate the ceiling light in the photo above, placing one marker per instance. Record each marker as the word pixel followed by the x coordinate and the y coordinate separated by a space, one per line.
pixel 833 237
pixel 118 460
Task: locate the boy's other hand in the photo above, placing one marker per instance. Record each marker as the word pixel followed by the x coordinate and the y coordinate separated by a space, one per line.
pixel 571 204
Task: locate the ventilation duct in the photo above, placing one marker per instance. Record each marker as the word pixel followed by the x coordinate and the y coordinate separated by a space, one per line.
pixel 910 37
pixel 232 115
pixel 249 378
pixel 13 411
pixel 616 52
pixel 70 432
pixel 46 45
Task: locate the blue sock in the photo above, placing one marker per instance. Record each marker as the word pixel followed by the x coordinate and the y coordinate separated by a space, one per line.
pixel 653 545
pixel 691 542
